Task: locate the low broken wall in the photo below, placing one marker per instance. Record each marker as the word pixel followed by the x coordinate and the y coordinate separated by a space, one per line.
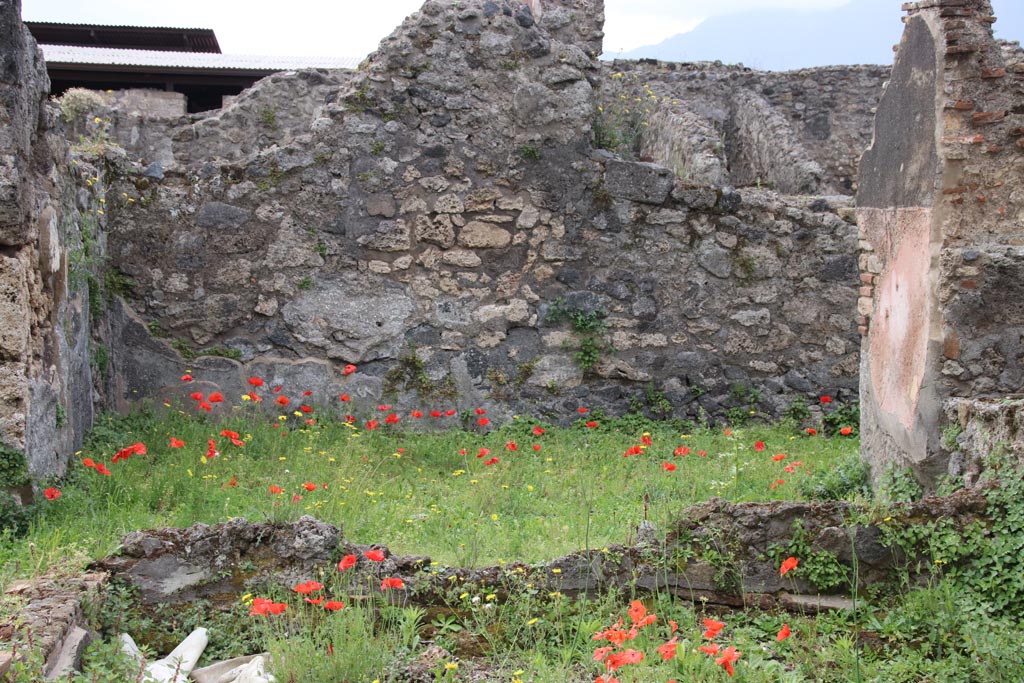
pixel 718 552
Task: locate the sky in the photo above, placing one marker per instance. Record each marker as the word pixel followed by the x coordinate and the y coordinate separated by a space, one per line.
pixel 345 28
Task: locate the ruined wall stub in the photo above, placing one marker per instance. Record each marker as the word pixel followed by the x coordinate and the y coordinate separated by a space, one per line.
pixel 45 377
pixel 939 213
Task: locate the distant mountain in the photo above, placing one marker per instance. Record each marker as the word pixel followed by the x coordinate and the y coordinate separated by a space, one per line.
pixel 862 32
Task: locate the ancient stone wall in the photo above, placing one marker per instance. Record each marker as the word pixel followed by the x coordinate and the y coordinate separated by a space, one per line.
pixel 445 201
pixel 799 132
pixel 148 103
pixel 940 210
pixel 438 217
pixel 45 378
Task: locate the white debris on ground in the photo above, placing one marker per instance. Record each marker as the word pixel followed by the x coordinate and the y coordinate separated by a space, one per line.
pixel 176 667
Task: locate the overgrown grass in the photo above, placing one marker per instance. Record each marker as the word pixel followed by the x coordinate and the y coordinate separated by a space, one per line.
pixel 419 492
pixel 419 487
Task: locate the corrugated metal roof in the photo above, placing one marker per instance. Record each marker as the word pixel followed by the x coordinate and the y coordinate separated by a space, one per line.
pixel 84 24
pixel 73 54
pixel 125 37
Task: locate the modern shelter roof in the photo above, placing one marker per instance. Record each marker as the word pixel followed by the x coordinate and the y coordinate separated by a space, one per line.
pixel 155 59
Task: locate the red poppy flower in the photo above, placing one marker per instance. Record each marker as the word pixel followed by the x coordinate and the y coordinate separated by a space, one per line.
pixel 256 382
pixel 779 456
pixel 277 388
pixel 102 469
pixel 619 659
pixel 392 582
pixel 537 431
pixel 176 443
pixel 682 450
pixel 351 419
pixel 673 625
pixel 88 462
pixel 186 378
pixel 314 602
pixel 254 397
pixel 275 489
pixel 729 656
pixel 637 611
pixel 646 440
pixel 668 466
pixel 374 555
pixel 391 419
pixel 347 562
pixel 480 411
pixel 203 405
pixel 788 564
pixel 282 400
pixel 333 605
pixel 234 482
pixel 349 369
pixel 812 431
pixel 592 424
pixel 536 446
pixel 483 421
pixel 759 446
pixel 216 397
pixel 196 396
pixel 492 461
pixel 435 413
pixel 371 425
pixel 846 431
pixel 383 408
pixel 417 414
pixel 308 587
pixel 826 399
pixel 295 497
pixel 306 409
pixel 582 411
pixel 227 433
pixel 135 449
pixel 668 650
pixel 345 397
pixel 713 649
pixel 263 606
pixel 602 652
pixel 307 393
pixel 309 486
pixel 713 627
pixel 783 633
pixel 52 493
pixel 702 454
pixel 450 412
pixel 511 445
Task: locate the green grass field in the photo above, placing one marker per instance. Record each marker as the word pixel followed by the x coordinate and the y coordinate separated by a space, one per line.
pixel 527 491
pixel 468 494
